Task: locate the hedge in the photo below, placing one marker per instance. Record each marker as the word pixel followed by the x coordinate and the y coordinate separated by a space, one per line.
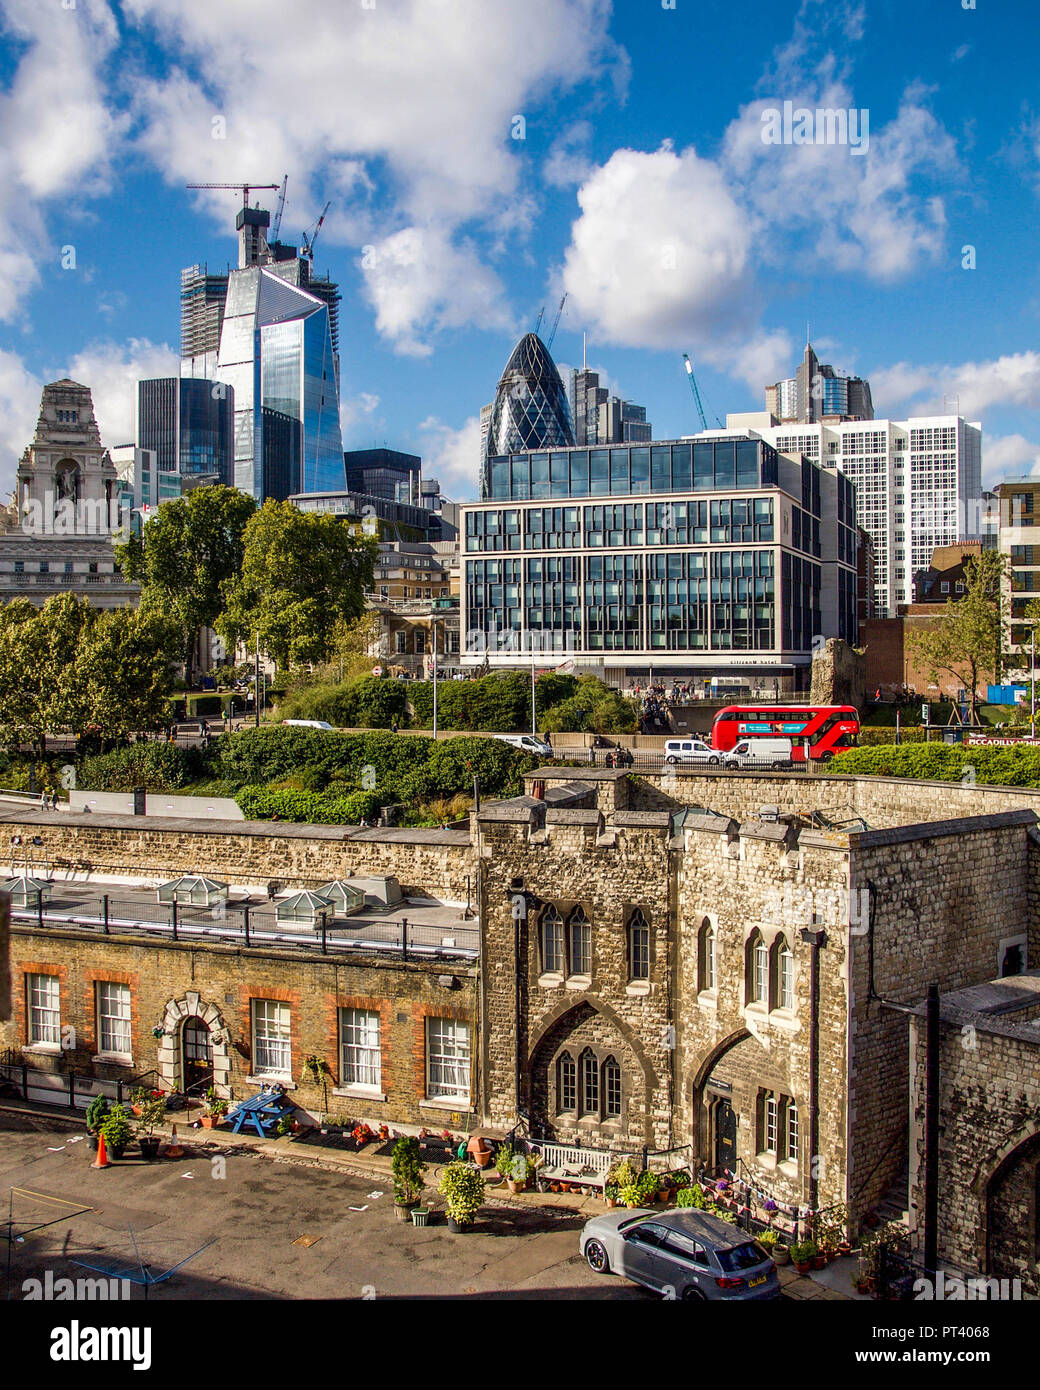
pixel 942 762
pixel 162 767
pixel 260 803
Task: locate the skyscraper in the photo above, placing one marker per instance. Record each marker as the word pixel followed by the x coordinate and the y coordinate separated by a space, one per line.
pixel 530 408
pixel 276 352
pixel 600 418
pixel 189 423
pixel 818 392
pixel 384 473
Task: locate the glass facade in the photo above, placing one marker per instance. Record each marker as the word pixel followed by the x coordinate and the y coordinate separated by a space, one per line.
pixel 189 424
pixel 705 466
pixel 736 574
pixel 530 410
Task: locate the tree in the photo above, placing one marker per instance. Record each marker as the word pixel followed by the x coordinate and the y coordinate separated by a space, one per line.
pixel 965 641
pixel 302 574
pixel 185 554
pixel 125 663
pixel 355 647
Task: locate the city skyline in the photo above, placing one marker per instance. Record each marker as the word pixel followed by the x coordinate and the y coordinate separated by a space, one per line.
pixel 672 227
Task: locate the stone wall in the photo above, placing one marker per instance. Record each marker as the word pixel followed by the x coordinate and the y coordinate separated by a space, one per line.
pixel 170 980
pixel 426 862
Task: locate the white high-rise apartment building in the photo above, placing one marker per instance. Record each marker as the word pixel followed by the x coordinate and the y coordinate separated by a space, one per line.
pixel 918 485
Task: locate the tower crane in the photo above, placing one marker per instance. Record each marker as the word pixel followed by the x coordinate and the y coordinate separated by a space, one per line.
pixel 309 238
pixel 245 187
pixel 556 322
pixel 538 322
pixel 696 393
pixel 281 208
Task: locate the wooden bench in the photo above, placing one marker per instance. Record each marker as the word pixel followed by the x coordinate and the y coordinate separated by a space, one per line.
pixel 570 1163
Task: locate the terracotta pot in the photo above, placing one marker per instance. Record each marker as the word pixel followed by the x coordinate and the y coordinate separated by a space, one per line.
pixel 819 1262
pixel 210 1121
pixel 802 1268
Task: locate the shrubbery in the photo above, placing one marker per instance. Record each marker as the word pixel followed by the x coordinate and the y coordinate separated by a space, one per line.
pixel 162 767
pixel 941 762
pixel 314 808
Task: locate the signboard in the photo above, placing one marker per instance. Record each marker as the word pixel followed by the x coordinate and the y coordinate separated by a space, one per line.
pixel 999 742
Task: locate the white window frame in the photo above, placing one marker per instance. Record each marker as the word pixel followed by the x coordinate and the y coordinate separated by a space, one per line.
pixel 43 1009
pixel 113 1027
pixel 784 976
pixel 791 1135
pixel 360 1049
pixel 770 1124
pixel 448 1049
pixel 274 1038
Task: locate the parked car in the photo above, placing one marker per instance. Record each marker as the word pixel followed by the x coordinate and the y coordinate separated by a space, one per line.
pixel 309 723
pixel 528 743
pixel 691 750
pixel 759 752
pixel 683 1254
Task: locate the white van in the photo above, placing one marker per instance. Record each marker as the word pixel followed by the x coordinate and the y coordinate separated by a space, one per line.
pixel 759 752
pixel 308 723
pixel 691 750
pixel 527 743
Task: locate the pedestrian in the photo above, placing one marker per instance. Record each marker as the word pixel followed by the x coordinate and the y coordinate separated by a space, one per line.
pixel 393 725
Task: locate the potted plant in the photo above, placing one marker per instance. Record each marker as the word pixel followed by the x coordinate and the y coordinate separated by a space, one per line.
pixel 504 1160
pixel 462 1187
pixel 408 1170
pixel 767 1240
pixel 316 1070
pixel 803 1252
pixel 520 1172
pixel 216 1109
pixel 647 1184
pixel 96 1112
pixel 610 1194
pixel 118 1131
pixel 362 1135
pixel 781 1251
pixel 152 1110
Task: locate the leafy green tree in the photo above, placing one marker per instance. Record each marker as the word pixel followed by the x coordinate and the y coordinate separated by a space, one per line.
pixel 302 574
pixel 593 708
pixel 185 554
pixel 41 685
pixel 125 661
pixel 965 641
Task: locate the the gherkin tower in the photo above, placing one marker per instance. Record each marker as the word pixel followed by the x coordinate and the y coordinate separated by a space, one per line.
pixel 530 410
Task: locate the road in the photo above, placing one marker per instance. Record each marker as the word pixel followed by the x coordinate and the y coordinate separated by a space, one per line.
pixel 284 1229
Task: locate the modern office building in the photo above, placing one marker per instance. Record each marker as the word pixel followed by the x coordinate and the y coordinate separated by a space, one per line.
pixel 276 352
pixel 719 555
pixel 189 424
pixel 918 484
pixel 818 392
pixel 384 473
pixel 143 486
pixel 530 409
pixel 380 513
pixel 600 418
pixel 1019 540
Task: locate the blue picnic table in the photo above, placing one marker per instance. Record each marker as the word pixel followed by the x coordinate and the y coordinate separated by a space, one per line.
pixel 260 1113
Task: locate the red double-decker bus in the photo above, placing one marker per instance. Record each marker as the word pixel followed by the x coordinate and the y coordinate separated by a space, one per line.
pixel 815 731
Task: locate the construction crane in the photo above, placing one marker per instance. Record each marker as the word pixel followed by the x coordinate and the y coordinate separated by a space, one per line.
pixel 556 322
pixel 281 208
pixel 538 323
pixel 243 187
pixel 309 238
pixel 696 393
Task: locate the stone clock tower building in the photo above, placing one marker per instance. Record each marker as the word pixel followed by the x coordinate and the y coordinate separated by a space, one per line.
pixel 58 530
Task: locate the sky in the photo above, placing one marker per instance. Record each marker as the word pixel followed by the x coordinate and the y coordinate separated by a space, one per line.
pixel 484 157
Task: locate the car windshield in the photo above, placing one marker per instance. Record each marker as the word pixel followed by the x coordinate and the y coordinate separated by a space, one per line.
pixel 742 1257
pixel 632 1221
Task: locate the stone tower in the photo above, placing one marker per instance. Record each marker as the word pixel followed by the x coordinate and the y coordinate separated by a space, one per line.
pixel 66 481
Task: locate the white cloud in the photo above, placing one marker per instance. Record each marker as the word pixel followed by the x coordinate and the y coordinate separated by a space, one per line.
pixel 566 163
pixel 419 282
pixel 409 105
pixel 354 409
pixel 1009 455
pixel 19 409
pixel 59 135
pixel 452 456
pixel 112 371
pixel 1011 380
pixel 659 254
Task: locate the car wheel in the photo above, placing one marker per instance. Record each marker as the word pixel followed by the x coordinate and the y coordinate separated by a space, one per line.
pixel 777 765
pixel 713 762
pixel 693 1293
pixel 826 757
pixel 596 1255
pixel 670 760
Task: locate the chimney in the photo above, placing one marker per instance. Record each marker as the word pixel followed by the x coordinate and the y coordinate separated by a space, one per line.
pixel 538 791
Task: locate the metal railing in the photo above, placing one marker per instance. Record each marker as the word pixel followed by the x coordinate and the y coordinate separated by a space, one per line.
pixel 247 923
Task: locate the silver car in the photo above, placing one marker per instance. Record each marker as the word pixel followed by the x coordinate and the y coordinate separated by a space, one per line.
pixel 683 1254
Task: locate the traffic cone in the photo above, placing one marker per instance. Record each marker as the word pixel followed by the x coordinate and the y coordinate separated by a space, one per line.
pixel 102 1160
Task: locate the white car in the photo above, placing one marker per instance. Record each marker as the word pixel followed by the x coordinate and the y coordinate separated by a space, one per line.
pixel 309 723
pixel 691 750
pixel 760 752
pixel 527 743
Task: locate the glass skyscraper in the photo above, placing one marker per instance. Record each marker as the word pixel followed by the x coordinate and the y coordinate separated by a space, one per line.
pixel 530 409
pixel 189 423
pixel 276 351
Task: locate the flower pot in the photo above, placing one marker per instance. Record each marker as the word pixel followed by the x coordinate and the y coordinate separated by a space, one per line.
pixel 421 1216
pixel 802 1267
pixel 210 1121
pixel 402 1213
pixel 781 1254
pixel 512 1184
pixel 611 1202
pixel 819 1262
pixel 149 1147
pixel 459 1227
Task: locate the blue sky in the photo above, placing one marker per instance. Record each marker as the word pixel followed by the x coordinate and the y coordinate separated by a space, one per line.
pixel 642 186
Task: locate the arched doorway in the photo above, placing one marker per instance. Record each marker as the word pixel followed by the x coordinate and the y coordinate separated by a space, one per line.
pixel 197 1051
